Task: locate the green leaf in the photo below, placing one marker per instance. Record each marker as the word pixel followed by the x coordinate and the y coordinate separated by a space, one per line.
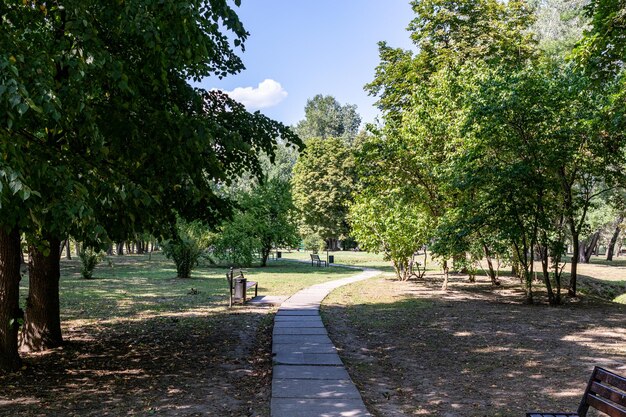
pixel 22 108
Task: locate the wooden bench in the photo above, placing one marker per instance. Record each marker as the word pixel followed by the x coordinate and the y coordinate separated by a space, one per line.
pixel 606 392
pixel 316 258
pixel 239 296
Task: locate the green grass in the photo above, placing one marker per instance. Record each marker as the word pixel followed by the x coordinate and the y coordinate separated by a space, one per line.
pixel 142 285
pixel 370 309
pixel 361 259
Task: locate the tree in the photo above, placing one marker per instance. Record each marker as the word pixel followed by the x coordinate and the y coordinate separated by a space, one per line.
pixel 559 26
pixel 421 94
pixel 98 100
pixel 603 48
pixel 326 118
pixel 323 182
pixel 9 301
pixel 272 209
pixel 394 226
pixel 388 215
pixel 265 220
pixel 504 144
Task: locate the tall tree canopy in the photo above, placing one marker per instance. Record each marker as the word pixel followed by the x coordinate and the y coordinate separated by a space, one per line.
pixel 101 135
pixel 325 117
pixel 323 183
pixel 504 143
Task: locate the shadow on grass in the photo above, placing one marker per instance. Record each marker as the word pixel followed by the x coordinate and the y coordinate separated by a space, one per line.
pixel 608 290
pixel 472 352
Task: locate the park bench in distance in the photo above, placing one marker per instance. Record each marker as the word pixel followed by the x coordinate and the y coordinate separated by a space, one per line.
pixel 606 392
pixel 316 258
pixel 239 294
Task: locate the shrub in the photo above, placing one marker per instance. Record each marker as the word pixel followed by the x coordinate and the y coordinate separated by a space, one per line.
pixel 314 242
pixel 187 247
pixel 235 244
pixel 89 259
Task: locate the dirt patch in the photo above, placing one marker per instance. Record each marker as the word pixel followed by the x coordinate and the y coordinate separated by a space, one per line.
pixel 179 365
pixel 413 349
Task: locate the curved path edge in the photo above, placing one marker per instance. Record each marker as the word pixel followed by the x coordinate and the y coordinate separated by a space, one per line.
pixel 309 378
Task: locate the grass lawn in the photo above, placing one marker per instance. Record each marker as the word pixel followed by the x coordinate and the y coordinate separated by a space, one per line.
pixel 363 259
pixel 140 341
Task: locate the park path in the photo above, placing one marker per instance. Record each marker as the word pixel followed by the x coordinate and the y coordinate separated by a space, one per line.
pixel 309 378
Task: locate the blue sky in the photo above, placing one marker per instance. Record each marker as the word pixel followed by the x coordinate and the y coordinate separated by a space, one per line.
pixel 313 47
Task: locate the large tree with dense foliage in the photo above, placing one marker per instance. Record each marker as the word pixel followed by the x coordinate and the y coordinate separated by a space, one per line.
pixel 97 114
pixel 265 219
pixel 325 118
pixel 421 94
pixel 503 144
pixel 323 182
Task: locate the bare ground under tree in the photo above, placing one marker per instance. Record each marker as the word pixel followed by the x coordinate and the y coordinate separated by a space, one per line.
pixel 180 365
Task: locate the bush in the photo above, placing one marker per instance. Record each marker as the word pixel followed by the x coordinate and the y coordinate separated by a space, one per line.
pixel 314 242
pixel 235 244
pixel 187 247
pixel 89 259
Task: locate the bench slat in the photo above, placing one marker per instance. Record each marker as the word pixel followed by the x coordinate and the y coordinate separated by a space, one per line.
pixel 610 378
pixel 605 406
pixel 608 392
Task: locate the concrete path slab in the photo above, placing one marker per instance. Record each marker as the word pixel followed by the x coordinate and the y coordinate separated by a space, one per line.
pixel 289 311
pixel 310 372
pixel 306 407
pixel 282 318
pixel 298 323
pixel 285 358
pixel 314 388
pixel 302 338
pixel 309 377
pixel 304 348
pixel 299 330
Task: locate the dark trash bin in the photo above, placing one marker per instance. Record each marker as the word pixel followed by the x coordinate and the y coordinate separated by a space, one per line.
pixel 240 289
pixel 331 259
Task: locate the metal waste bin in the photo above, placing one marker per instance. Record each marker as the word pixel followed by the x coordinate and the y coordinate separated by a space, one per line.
pixel 331 259
pixel 279 254
pixel 240 289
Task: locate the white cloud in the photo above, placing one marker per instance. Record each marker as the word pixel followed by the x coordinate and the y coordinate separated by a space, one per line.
pixel 267 94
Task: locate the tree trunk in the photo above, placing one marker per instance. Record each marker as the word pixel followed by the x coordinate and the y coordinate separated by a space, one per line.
pixel 574 266
pixel 120 249
pixel 42 323
pixel 610 250
pixel 586 248
pixel 10 313
pixel 543 252
pixel 492 273
pixel 265 253
pixel 67 249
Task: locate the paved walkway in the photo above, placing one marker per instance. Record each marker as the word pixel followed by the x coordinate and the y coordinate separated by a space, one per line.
pixel 309 377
